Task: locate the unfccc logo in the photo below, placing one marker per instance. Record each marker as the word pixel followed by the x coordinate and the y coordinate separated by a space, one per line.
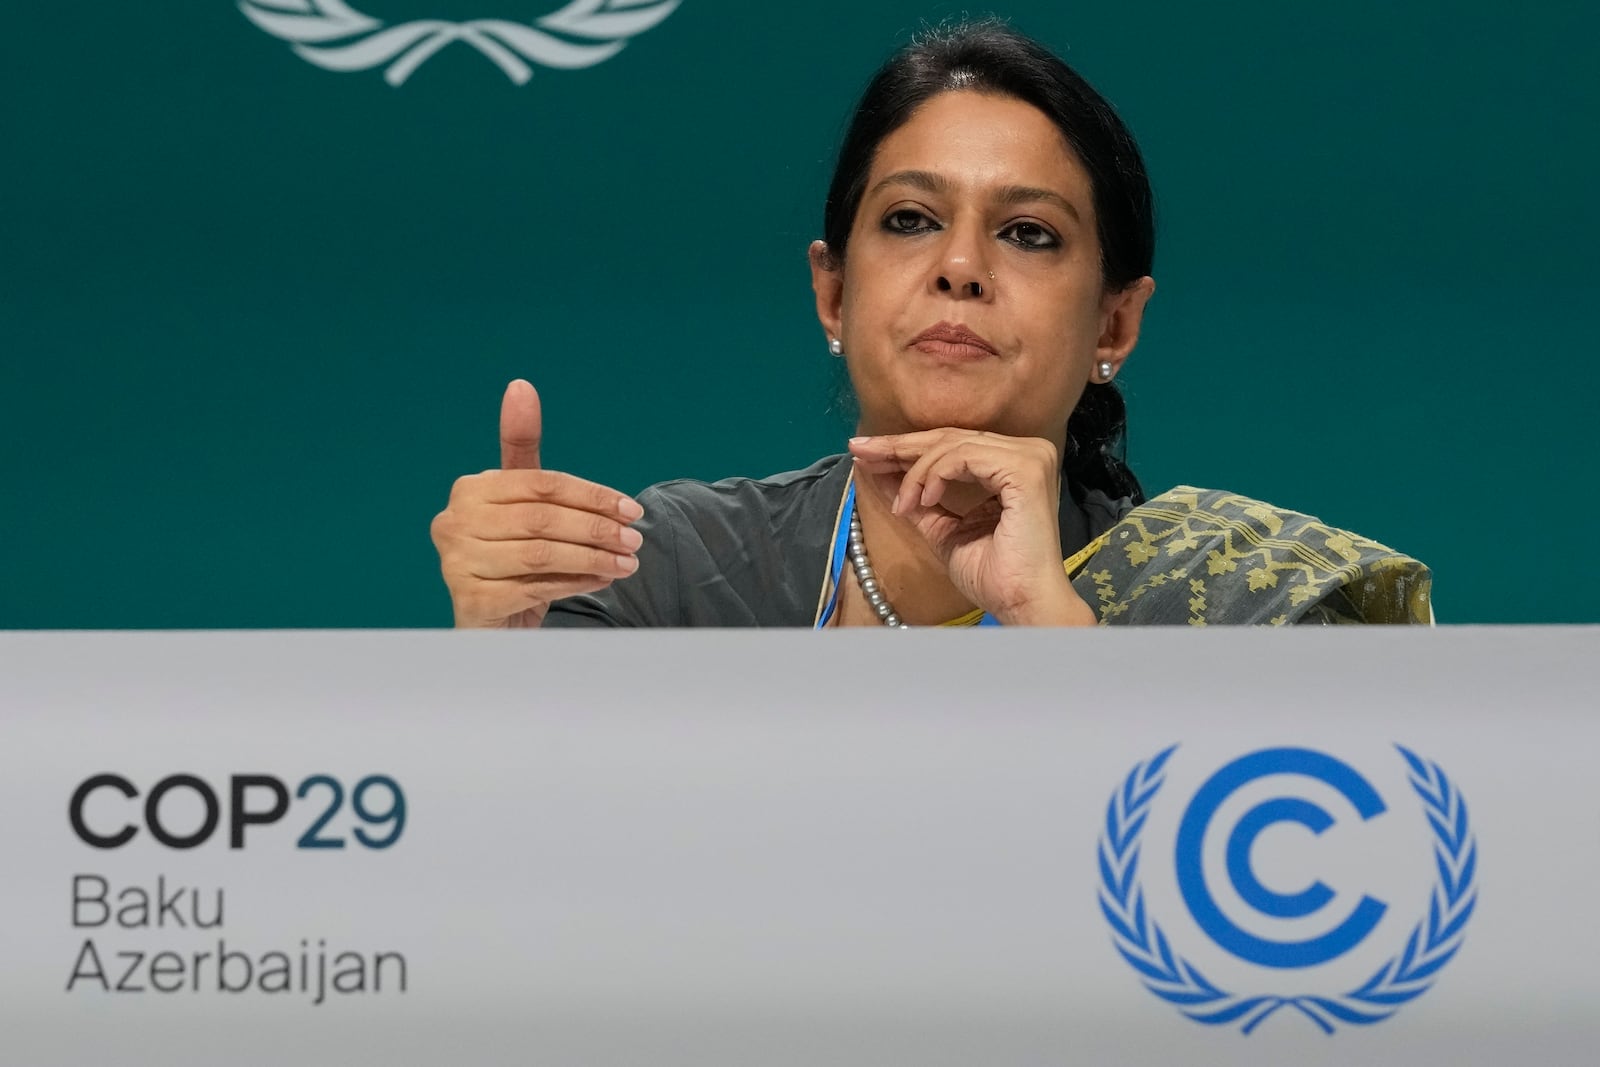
pixel 1237 907
pixel 335 36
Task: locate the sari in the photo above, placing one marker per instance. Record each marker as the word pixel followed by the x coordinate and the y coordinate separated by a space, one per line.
pixel 1202 556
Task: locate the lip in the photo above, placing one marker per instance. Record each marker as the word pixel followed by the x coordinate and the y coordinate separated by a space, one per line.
pixel 952 340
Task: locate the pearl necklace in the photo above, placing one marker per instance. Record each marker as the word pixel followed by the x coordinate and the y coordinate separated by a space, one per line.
pixel 868 579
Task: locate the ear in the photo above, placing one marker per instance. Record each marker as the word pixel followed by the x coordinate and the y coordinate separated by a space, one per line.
pixel 1121 314
pixel 827 281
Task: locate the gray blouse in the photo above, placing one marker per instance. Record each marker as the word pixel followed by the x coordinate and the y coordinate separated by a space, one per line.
pixel 755 552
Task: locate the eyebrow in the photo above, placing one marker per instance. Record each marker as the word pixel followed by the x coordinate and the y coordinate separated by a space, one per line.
pixel 930 182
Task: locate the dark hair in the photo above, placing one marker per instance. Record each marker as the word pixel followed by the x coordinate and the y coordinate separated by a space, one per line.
pixel 990 57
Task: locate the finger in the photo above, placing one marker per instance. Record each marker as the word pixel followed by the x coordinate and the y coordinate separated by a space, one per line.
pixel 938 478
pixel 891 465
pixel 502 598
pixel 914 485
pixel 907 446
pixel 532 559
pixel 521 427
pixel 1000 468
pixel 555 586
pixel 554 487
pixel 548 522
pixel 984 467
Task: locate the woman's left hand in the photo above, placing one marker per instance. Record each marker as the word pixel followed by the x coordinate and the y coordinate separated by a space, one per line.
pixel 988 506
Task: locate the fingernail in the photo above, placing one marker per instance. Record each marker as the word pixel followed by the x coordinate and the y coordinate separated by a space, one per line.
pixel 628 564
pixel 859 440
pixel 630 509
pixel 631 538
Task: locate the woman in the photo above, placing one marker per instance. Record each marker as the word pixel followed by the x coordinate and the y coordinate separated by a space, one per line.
pixel 985 268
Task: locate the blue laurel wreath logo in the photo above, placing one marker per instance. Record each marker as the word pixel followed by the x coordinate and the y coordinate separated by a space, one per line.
pixel 1432 944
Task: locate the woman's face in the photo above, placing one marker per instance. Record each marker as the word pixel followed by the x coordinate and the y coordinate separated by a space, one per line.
pixel 977 220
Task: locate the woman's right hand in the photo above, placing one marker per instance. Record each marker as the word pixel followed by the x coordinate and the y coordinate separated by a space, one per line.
pixel 512 540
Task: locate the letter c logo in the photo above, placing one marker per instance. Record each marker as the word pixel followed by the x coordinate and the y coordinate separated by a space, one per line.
pixel 1191 874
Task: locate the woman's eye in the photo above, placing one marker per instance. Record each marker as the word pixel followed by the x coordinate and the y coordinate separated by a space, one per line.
pixel 1030 235
pixel 907 221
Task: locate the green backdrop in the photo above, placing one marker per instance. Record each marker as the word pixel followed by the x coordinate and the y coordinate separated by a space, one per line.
pixel 257 315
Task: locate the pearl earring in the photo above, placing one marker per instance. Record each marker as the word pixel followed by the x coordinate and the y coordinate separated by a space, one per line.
pixel 836 346
pixel 1106 370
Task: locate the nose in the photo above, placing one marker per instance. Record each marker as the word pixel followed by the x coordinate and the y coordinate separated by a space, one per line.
pixel 962 269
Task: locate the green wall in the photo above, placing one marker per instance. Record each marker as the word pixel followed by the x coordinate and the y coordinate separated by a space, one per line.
pixel 256 315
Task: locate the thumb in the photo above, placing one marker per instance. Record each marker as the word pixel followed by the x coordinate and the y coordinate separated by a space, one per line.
pixel 521 427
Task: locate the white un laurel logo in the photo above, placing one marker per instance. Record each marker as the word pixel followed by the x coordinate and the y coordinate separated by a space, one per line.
pixel 1172 977
pixel 335 36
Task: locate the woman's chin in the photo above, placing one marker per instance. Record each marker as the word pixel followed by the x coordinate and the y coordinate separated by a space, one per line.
pixel 962 408
pixel 959 414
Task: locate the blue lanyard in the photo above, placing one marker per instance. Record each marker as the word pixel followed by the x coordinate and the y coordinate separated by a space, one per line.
pixel 841 540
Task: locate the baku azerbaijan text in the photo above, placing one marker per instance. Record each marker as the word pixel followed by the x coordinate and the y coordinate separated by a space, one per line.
pixel 215 967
